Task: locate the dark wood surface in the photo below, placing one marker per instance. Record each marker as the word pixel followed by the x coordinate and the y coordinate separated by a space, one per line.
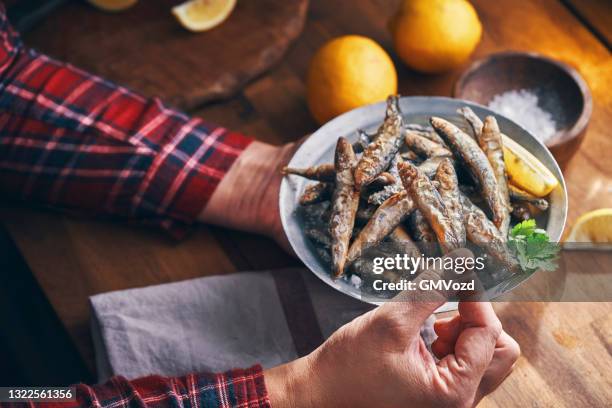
pixel 145 47
pixel 596 14
pixel 566 346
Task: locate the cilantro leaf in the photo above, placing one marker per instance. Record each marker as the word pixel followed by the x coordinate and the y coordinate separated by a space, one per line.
pixel 532 247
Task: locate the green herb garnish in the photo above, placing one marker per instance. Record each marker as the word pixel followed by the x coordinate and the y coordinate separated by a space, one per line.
pixel 532 247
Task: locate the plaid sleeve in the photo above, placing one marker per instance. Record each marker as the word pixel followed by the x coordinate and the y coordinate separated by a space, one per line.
pixel 233 389
pixel 72 140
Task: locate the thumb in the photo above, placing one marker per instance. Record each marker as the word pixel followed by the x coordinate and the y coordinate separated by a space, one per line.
pixel 475 345
pixel 415 306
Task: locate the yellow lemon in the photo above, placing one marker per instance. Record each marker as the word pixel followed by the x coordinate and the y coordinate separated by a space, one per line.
pixel 113 5
pixel 435 35
pixel 348 72
pixel 594 226
pixel 525 171
pixel 202 15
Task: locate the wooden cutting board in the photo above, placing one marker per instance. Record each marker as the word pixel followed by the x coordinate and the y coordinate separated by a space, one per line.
pixel 146 49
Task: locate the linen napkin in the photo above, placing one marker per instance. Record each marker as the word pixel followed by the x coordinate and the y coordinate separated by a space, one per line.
pixel 217 323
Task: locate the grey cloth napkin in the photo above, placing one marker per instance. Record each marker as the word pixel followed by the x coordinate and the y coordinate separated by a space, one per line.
pixel 217 323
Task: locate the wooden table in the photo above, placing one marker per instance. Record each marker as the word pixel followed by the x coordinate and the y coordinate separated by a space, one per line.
pixel 566 346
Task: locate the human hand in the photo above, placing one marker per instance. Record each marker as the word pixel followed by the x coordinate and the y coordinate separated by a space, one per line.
pixel 247 197
pixel 380 360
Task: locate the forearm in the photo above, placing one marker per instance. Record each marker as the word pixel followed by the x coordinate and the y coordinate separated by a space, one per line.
pixel 293 385
pixel 247 197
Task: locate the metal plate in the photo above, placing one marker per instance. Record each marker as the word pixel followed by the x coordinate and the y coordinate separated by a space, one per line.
pixel 319 148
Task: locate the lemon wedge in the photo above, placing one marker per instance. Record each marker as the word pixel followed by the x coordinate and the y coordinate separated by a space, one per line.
pixel 113 5
pixel 202 15
pixel 525 171
pixel 593 226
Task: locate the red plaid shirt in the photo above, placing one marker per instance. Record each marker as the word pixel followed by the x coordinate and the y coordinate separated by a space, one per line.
pixel 74 141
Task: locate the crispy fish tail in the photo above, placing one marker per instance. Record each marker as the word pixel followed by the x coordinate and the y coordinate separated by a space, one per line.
pixel 323 172
pixel 316 193
pixel 471 118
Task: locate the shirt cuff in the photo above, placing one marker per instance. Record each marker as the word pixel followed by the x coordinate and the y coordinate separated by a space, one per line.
pixel 245 388
pixel 238 388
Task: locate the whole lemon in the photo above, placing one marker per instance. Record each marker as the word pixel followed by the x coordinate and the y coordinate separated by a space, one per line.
pixel 348 72
pixel 435 35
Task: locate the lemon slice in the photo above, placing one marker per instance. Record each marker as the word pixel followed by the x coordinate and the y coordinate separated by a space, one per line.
pixel 525 171
pixel 202 15
pixel 113 5
pixel 594 226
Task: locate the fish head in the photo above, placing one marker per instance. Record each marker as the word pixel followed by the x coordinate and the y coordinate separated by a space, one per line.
pixel 393 108
pixel 345 156
pixel 408 172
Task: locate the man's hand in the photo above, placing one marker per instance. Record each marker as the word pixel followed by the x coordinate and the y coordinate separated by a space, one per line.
pixel 247 197
pixel 380 360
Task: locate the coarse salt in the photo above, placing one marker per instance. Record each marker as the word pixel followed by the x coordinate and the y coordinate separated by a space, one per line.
pixel 522 107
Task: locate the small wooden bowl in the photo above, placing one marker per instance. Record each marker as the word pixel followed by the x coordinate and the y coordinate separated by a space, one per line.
pixel 560 90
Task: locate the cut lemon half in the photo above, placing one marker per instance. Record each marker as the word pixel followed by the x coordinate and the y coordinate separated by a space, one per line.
pixel 202 15
pixel 525 171
pixel 594 226
pixel 113 5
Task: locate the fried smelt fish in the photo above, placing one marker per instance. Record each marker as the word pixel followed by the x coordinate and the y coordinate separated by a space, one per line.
pixel 490 142
pixel 468 150
pixel 429 202
pixel 409 155
pixel 516 194
pixel 383 179
pixel 384 220
pixel 386 144
pixel 521 212
pixel 323 172
pixel 430 166
pixel 421 231
pixel 400 236
pixel 482 232
pixel 345 202
pixel 449 191
pixel 365 213
pixel 319 237
pixel 471 118
pixel 379 197
pixel 363 140
pixel 316 193
pixel 424 146
pixel 364 137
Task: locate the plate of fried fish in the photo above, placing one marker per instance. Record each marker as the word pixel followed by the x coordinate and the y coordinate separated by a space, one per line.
pixel 416 175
